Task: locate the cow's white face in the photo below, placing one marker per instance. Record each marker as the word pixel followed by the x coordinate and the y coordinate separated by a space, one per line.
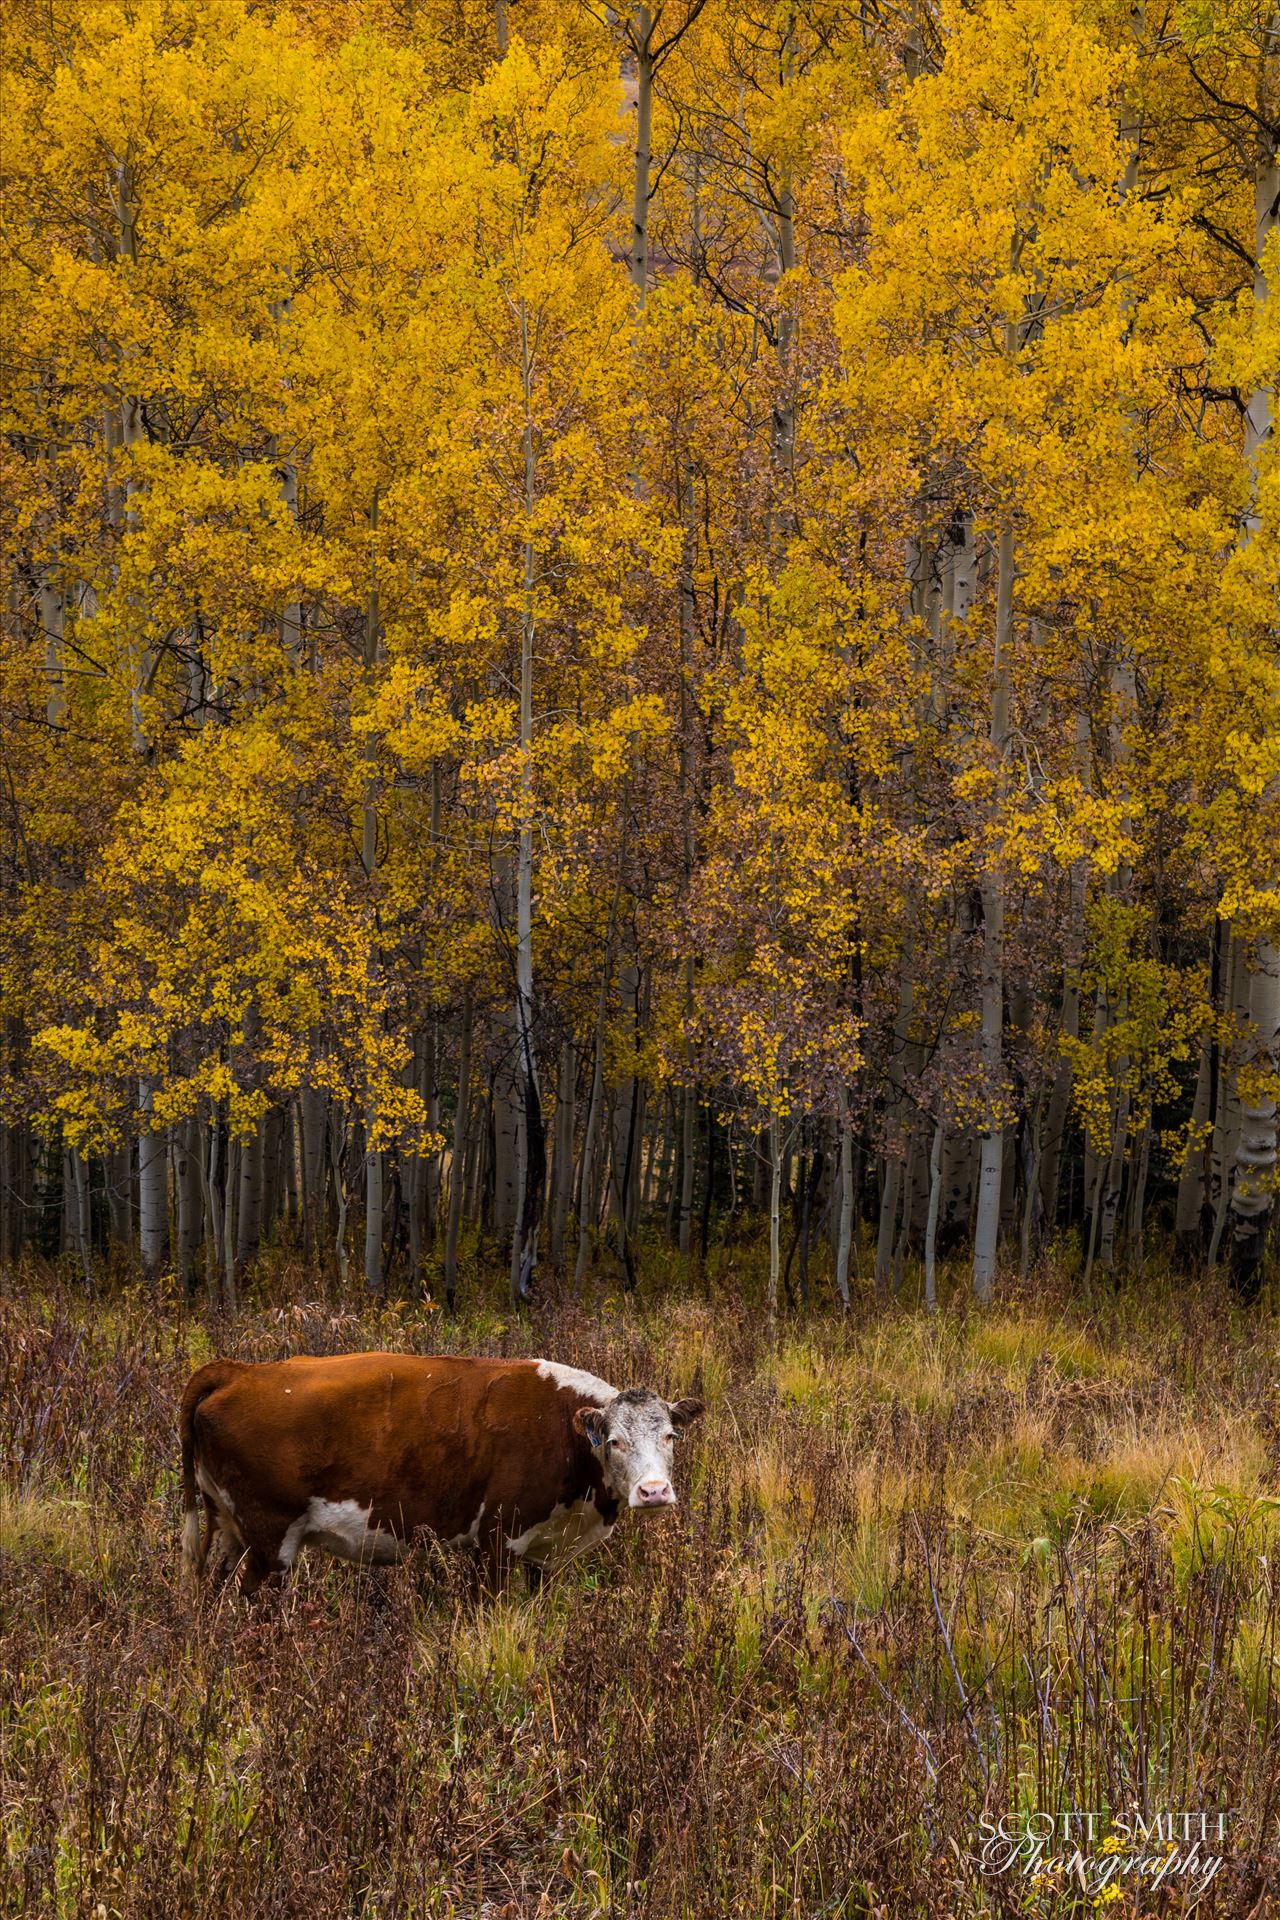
pixel 634 1437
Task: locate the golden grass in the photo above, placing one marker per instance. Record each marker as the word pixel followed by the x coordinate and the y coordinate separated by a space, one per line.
pixel 62 1531
pixel 1006 1486
pixel 693 1350
pixel 912 1359
pixel 499 1645
pixel 1085 1441
pixel 1255 1660
pixel 1014 1342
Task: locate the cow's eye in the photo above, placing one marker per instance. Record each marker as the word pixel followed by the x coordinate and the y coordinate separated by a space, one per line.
pixel 621 1445
pixel 667 1439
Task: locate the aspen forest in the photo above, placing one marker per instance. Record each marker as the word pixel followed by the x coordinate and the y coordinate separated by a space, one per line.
pixel 624 623
pixel 639 724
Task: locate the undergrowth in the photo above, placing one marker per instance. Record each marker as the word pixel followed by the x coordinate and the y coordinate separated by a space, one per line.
pixel 924 1575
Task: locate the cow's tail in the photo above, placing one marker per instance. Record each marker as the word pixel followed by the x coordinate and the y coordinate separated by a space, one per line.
pixel 206 1381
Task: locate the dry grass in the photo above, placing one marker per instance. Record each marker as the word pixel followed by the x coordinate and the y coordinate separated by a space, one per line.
pixel 923 1571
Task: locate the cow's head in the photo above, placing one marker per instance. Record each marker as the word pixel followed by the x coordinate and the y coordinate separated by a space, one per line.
pixel 634 1438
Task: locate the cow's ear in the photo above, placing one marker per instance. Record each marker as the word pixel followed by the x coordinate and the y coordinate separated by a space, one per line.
pixel 589 1422
pixel 685 1412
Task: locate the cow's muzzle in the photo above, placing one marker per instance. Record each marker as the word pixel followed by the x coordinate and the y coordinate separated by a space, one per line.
pixel 653 1493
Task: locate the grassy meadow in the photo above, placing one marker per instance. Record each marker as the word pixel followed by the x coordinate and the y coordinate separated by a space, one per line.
pixel 924 1574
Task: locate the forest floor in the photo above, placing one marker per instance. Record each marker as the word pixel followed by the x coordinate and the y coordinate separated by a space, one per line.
pixel 934 1588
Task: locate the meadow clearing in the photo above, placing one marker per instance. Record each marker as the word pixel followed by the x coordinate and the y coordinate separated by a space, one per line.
pixel 925 1574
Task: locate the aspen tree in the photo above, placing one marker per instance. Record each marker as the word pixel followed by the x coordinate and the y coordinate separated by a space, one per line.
pixel 648 35
pixel 454 1222
pixel 153 1145
pixel 795 708
pixel 991 1044
pixel 1255 1160
pixel 373 1158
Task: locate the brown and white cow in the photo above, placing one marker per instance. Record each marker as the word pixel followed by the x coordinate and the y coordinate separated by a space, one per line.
pixel 523 1460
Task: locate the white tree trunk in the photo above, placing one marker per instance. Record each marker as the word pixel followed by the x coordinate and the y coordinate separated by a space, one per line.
pixel 338 1131
pixel 431 1168
pixel 374 1189
pixel 230 1188
pixel 1254 1169
pixel 153 1188
pixel 1193 1177
pixel 414 1174
pixel 312 1106
pixel 209 1156
pixel 1051 1146
pixel 893 1160
pixel 844 1238
pixel 775 1215
pixel 1113 1173
pixel 991 1044
pixel 688 634
pixel 595 1107
pixel 626 1119
pixel 119 1173
pixel 77 1172
pixel 644 141
pixel 273 1181
pixel 532 1155
pixel 958 584
pixel 373 1161
pixel 1138 1197
pixel 907 1211
pixel 784 437
pixel 885 1235
pixel 688 1137
pixel 53 622
pixel 931 1224
pixel 506 1147
pixel 249 1203
pixel 126 209
pixel 1254 1187
pixel 291 620
pixel 1228 1118
pixel 563 1169
pixel 456 1164
pixel 187 1158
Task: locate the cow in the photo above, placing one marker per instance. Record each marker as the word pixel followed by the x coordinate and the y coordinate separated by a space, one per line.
pixel 522 1461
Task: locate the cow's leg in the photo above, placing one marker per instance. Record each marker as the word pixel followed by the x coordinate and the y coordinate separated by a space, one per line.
pixel 267 1557
pixel 254 1573
pixel 534 1576
pixel 210 1528
pixel 261 1568
pixel 223 1545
